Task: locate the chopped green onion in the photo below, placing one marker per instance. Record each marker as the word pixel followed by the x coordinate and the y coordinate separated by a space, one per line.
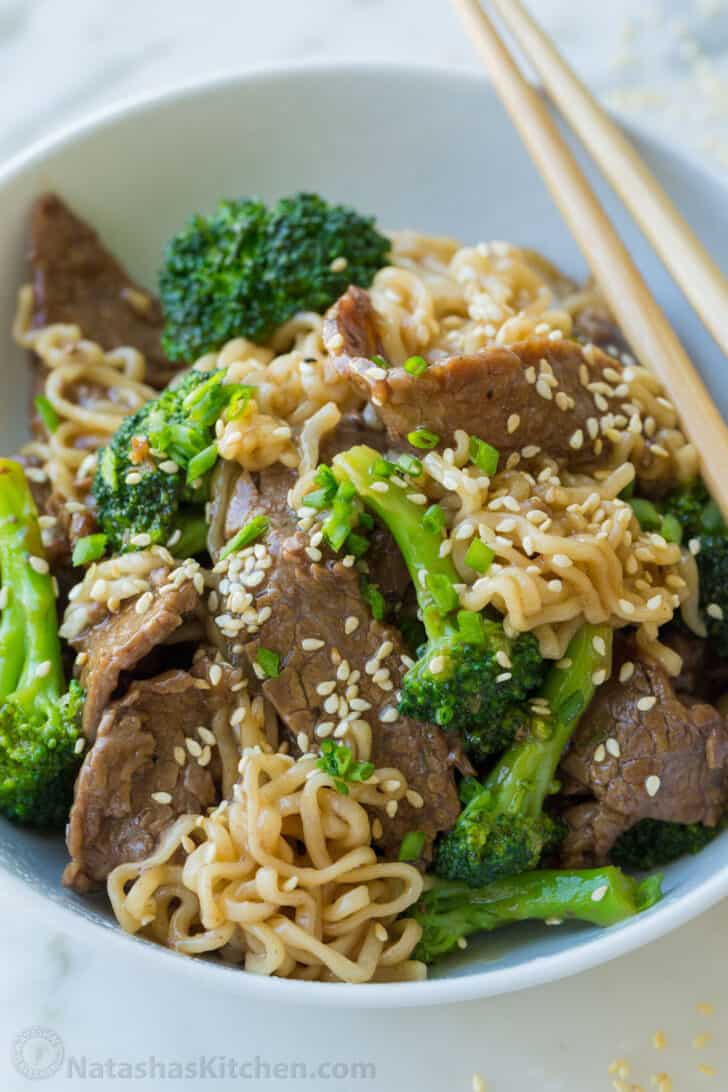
pixel 412 845
pixel 434 518
pixel 647 515
pixel 382 468
pixel 410 465
pixel 379 361
pixel 357 544
pixel 202 462
pixel 671 529
pixel 471 627
pixel 479 556
pixel 47 414
pixel 415 365
pixel 423 439
pixel 327 482
pixel 89 548
pixel 246 536
pixel 319 499
pixel 337 760
pixel 269 662
pixel 372 596
pixel 442 591
pixel 484 456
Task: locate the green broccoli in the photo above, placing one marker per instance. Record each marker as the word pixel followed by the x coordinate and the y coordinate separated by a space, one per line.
pixel 449 912
pixel 39 717
pixel 689 514
pixel 652 843
pixel 470 677
pixel 152 477
pixel 247 268
pixel 503 829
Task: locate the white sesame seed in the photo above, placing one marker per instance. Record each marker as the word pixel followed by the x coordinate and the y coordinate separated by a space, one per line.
pixel 133 478
pixel 391 808
pixel 351 624
pixel 414 798
pixel 79 745
pixel 381 933
pixel 142 539
pixel 652 785
pixel 204 759
pixel 504 676
pixel 561 561
pixel 302 741
pixel 206 735
pixel 599 892
pixel 417 498
pixel 43 669
pixel 576 440
pixel 314 553
pixel 626 607
pixel 543 389
pixel 530 451
pixel 38 564
pixel 613 747
pixel 714 611
pixel 326 688
pixel 654 602
pixel 437 664
pixel 215 674
pixel 331 705
pixel 193 746
pixel 598 677
pixel 162 797
pixel 359 705
pixel 379 487
pixel 513 422
pixel 388 714
pixel 311 644
pixel 4 597
pixel 503 659
pixel 324 729
pixel 645 704
pixel 179 756
pixel 599 754
pixel 694 546
pixel 169 466
pixel 626 671
pixel 599 645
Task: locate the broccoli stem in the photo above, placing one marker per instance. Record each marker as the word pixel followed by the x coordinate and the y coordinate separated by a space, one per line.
pixel 521 780
pixel 193 529
pixel 419 546
pixel 450 911
pixel 29 632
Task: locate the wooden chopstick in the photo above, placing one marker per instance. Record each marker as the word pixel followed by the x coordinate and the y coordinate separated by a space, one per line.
pixel 652 338
pixel 671 236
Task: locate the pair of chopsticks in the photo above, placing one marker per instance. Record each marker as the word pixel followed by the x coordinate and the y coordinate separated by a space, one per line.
pixel 642 320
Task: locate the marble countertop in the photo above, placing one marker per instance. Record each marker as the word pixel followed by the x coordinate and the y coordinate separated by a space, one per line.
pixel 664 62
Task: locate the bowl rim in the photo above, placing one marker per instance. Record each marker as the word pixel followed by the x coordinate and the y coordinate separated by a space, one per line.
pixel 580 956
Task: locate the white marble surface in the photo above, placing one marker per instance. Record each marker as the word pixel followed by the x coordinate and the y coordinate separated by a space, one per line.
pixel 665 63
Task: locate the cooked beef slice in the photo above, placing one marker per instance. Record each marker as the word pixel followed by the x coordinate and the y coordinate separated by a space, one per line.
pixel 115 817
pixel 323 602
pixel 119 641
pixel 704 673
pixel 482 392
pixel 596 325
pixel 668 761
pixel 77 280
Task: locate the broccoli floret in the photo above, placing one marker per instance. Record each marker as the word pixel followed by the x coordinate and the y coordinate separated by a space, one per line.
pixel 461 680
pixel 39 717
pixel 247 268
pixel 503 829
pixel 699 518
pixel 652 843
pixel 152 477
pixel 449 912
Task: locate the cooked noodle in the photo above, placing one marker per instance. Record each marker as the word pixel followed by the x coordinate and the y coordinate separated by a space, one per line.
pixel 282 879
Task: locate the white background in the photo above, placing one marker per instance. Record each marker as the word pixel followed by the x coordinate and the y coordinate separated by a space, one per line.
pixel 666 63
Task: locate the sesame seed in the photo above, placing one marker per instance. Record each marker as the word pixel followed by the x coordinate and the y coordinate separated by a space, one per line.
pixel 414 798
pixel 599 646
pixel 324 729
pixel 311 644
pixel 206 735
pixel 193 746
pixel 478 1082
pixel 576 440
pixel 561 561
pixel 437 664
pixel 391 808
pixel 359 705
pixel 331 704
pixel 694 546
pixel 598 677
pixel 543 389
pixel 133 478
pixel 179 756
pixel 162 797
pixel 313 552
pixel 142 539
pixel 652 785
pixel 626 671
pixel 379 487
pixel 503 659
pixel 555 585
pixel 504 676
pixel 530 451
pixel 338 264
pixel 302 741
pixel 79 746
pixel 417 498
pixel 626 607
pixel 599 754
pixel 38 564
pixel 714 611
pixel 4 597
pixel 599 892
pixel 43 669
pixel 645 704
pixel 169 466
pixel 654 602
pixel 205 757
pixel 613 747
pixel 215 675
pixel 388 715
pixel 391 784
pixel 513 422
pixel 326 688
pixel 351 624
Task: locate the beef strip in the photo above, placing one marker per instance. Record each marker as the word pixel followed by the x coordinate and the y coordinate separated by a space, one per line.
pixel 322 600
pixel 118 642
pixel 114 818
pixel 704 673
pixel 481 392
pixel 77 280
pixel 668 762
pixel 596 325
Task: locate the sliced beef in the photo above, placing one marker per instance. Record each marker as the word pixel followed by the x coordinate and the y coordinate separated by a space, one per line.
pixel 704 673
pixel 156 739
pixel 118 642
pixel 667 761
pixel 596 325
pixel 482 392
pixel 77 280
pixel 322 602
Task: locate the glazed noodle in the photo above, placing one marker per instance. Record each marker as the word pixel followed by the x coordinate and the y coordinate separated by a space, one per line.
pixel 282 878
pixel 91 391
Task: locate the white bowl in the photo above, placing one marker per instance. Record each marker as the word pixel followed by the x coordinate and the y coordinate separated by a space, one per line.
pixel 419 147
